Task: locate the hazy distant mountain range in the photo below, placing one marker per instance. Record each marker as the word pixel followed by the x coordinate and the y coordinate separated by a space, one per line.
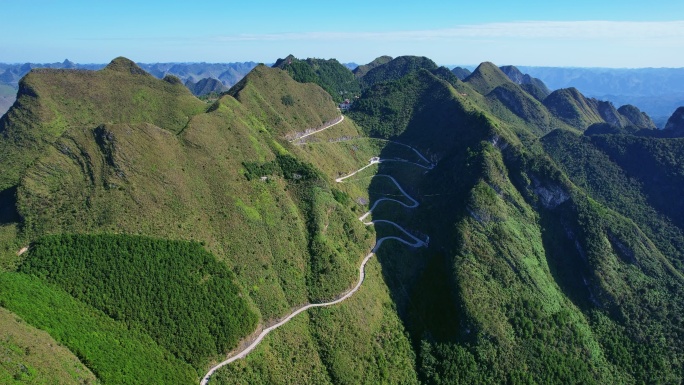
pixel 656 91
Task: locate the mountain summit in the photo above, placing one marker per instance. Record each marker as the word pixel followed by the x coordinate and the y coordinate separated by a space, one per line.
pixel 122 64
pixel 675 124
pixel 433 231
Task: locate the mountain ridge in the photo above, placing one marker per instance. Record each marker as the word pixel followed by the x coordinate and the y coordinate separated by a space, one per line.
pixel 554 255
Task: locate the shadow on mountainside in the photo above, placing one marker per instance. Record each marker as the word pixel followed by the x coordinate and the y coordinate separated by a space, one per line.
pixel 8 206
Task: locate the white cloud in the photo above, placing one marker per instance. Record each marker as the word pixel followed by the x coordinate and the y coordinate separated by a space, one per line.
pixel 522 30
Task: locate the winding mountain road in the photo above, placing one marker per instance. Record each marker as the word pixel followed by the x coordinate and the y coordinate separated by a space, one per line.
pixel 338 120
pixel 414 203
pixel 362 268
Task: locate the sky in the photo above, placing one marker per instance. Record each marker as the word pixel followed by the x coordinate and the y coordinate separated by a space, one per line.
pixel 578 33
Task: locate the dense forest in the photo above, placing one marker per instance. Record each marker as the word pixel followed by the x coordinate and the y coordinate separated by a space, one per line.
pixel 176 291
pixel 330 75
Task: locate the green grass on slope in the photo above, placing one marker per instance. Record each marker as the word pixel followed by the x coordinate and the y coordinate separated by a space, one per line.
pixel 423 111
pixel 507 318
pixel 573 108
pixel 52 101
pixel 523 105
pixel 486 77
pixel 9 246
pixel 29 355
pixel 288 355
pixel 141 179
pixel 289 239
pixel 337 245
pixel 363 69
pixel 360 341
pixel 175 291
pixel 280 104
pixel 346 130
pixel 637 289
pixel 112 351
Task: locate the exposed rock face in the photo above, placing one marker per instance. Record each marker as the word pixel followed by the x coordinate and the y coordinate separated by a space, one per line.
pixel 550 195
pixel 610 114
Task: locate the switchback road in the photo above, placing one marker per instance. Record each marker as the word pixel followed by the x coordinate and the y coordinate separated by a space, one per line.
pixel 416 242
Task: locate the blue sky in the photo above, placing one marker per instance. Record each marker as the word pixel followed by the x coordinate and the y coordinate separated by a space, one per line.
pixel 580 33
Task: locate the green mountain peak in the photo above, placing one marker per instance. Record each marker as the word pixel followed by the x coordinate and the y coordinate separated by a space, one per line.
pixel 122 64
pixel 397 68
pixel 486 77
pixel 361 70
pixel 636 117
pixel 675 123
pixel 165 232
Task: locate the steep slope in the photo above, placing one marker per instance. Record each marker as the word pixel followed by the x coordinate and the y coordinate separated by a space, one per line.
pixel 287 105
pixel 611 115
pixel 507 101
pixel 397 68
pixel 486 77
pixel 32 355
pixel 330 75
pixel 523 105
pixel 654 163
pixel 675 125
pixel 573 108
pixel 549 258
pixel 620 172
pixel 206 86
pixel 580 112
pixel 362 70
pixel 51 101
pixel 536 270
pixel 534 86
pixel 448 76
pixel 389 109
pixel 229 180
pixel 636 118
pixel 461 73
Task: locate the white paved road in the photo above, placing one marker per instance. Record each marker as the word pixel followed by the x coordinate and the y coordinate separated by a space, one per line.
pixel 338 120
pixel 362 268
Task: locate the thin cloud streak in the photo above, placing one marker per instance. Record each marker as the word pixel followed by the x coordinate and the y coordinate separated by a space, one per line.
pixel 523 29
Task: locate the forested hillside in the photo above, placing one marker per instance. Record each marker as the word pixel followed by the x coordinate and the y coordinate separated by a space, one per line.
pixel 526 237
pixel 332 76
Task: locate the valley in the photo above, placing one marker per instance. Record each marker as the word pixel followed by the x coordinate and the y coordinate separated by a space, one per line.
pixel 448 228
